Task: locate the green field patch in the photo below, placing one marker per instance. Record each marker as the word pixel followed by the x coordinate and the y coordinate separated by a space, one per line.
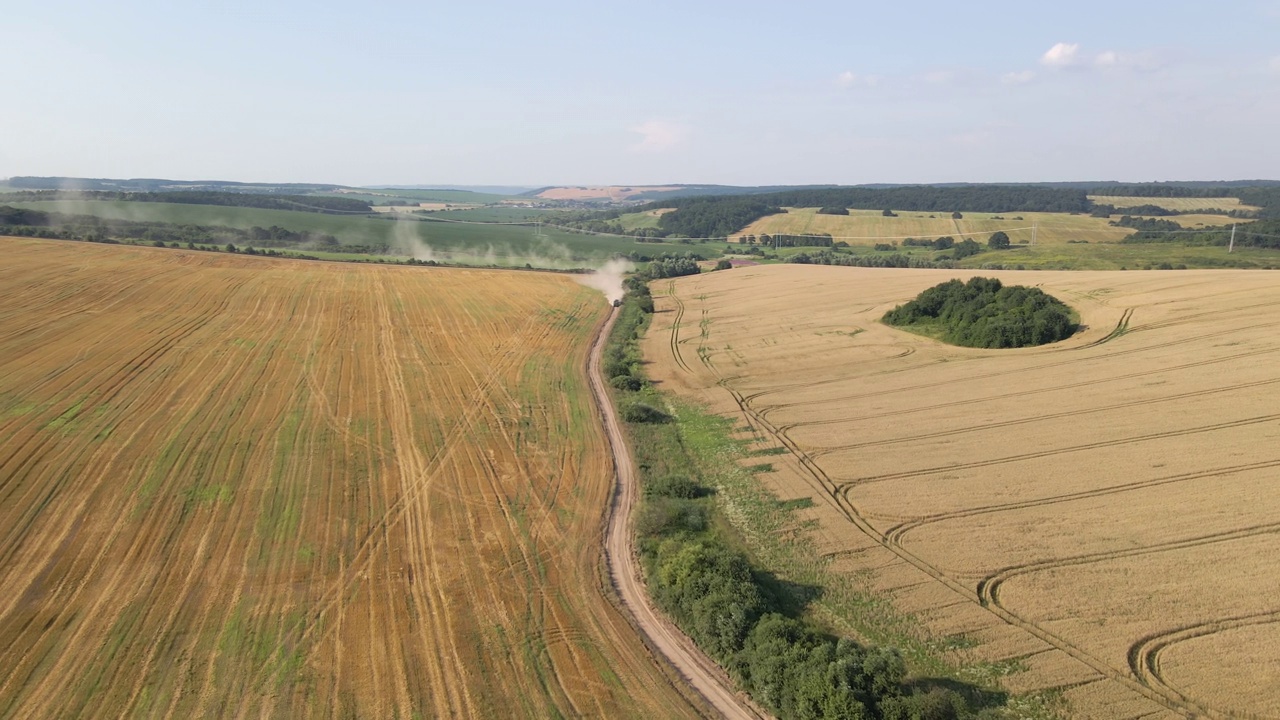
pixel 207 495
pixel 795 504
pixel 13 406
pixel 66 422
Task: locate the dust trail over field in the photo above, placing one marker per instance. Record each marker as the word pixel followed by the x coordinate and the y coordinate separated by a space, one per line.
pixel 608 278
pixel 241 487
pixel 1096 517
pixel 412 238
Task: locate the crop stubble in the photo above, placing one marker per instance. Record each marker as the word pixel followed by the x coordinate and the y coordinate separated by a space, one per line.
pixel 234 486
pixel 1098 513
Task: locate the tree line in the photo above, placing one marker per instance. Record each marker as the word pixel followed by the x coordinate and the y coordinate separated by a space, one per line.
pixel 24 222
pixel 987 314
pixel 896 260
pixel 301 203
pixel 783 240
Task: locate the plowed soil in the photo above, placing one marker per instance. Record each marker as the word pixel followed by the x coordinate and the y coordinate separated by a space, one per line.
pixel 234 486
pixel 1097 516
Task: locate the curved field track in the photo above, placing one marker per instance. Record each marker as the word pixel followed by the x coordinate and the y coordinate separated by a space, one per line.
pixel 236 487
pixel 1097 517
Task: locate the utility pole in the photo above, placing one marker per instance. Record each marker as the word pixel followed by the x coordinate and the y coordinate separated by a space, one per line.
pixel 1232 246
pixel 1034 226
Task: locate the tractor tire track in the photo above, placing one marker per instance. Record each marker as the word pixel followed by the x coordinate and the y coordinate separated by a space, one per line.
pixel 1033 419
pixel 1022 393
pixel 675 328
pixel 846 485
pixel 1144 655
pixel 989 586
pixel 898 532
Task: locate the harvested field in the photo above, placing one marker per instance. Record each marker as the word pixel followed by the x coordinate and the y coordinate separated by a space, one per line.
pixel 868 227
pixel 235 486
pixel 1096 515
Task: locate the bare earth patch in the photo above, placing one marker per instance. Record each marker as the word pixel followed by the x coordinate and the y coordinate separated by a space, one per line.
pixel 602 192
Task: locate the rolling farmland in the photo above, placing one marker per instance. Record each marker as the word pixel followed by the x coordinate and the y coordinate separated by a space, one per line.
pixel 483 243
pixel 235 486
pixel 1177 204
pixel 1096 518
pixel 866 227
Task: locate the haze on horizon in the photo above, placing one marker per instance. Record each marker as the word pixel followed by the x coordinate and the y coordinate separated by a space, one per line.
pixel 566 93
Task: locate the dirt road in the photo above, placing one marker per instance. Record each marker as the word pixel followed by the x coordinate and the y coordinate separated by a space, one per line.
pixel 698 670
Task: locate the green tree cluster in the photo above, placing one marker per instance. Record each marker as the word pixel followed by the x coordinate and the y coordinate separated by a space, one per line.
pixel 668 266
pixel 985 313
pixel 1141 223
pixel 896 260
pixel 713 216
pixel 965 248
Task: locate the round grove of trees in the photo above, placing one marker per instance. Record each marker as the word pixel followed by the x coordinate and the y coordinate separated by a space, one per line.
pixel 985 313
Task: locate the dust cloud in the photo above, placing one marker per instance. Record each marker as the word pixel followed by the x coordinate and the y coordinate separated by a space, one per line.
pixel 608 278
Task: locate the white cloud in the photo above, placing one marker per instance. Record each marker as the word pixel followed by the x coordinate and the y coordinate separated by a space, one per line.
pixel 939 77
pixel 848 79
pixel 659 135
pixel 1060 55
pixel 1110 58
pixel 1018 78
pixel 1143 61
pixel 1275 65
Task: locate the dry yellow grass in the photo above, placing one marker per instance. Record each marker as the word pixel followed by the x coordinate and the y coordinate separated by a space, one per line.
pixel 239 487
pixel 1194 221
pixel 868 227
pixel 1182 204
pixel 1099 513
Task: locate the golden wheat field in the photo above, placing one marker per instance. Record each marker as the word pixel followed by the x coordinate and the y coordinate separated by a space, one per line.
pixel 1179 204
pixel 868 227
pixel 235 487
pixel 1098 516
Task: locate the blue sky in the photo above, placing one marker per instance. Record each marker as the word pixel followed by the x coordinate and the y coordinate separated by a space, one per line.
pixel 604 93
